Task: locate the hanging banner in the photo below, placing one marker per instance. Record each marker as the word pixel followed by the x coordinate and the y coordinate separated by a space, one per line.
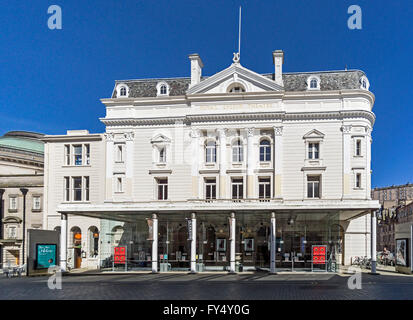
pixel 189 226
pixel 150 229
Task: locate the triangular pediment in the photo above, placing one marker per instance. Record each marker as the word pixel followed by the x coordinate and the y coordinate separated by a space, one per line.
pixel 219 82
pixel 160 138
pixel 313 134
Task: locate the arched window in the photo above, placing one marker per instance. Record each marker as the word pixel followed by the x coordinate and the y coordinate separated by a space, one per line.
pixel 122 90
pixel 265 150
pixel 313 84
pixel 93 242
pixel 162 89
pixel 237 151
pixel 236 88
pixel 210 152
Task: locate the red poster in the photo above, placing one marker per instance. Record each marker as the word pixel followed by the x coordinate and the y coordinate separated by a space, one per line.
pixel 120 255
pixel 319 255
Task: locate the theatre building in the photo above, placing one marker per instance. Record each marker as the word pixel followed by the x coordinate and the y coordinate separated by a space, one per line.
pixel 232 172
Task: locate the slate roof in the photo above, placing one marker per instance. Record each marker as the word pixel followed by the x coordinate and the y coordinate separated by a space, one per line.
pixel 330 80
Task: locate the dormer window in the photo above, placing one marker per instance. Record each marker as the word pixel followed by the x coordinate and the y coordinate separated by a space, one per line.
pixel 313 83
pixel 364 83
pixel 236 88
pixel 122 91
pixel 162 89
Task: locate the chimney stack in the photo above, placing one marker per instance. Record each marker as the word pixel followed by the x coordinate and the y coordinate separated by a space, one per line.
pixel 278 60
pixel 196 68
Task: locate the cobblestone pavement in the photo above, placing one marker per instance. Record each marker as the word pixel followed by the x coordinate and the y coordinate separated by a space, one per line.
pixel 209 286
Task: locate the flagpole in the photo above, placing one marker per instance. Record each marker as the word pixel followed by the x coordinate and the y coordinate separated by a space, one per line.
pixel 239 32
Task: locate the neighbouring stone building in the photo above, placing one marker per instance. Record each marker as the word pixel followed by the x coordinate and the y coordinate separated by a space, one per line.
pixel 21 169
pixel 393 199
pixel 234 171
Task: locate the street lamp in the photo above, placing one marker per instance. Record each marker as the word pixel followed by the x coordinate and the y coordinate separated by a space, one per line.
pixel 24 192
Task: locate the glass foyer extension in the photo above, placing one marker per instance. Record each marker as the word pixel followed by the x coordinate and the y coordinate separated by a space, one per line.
pixel 239 241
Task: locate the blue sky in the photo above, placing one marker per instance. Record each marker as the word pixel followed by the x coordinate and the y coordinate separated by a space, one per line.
pixel 52 80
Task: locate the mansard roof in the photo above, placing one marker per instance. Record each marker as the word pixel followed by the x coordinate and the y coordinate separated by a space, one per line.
pixel 297 81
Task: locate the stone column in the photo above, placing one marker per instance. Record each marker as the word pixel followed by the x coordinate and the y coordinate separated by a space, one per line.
pixel 155 244
pixel 232 243
pixel 250 162
pixel 109 164
pixel 129 164
pixel 273 244
pixel 193 243
pixel 195 162
pixel 63 242
pixel 222 162
pixel 373 241
pixel 346 160
pixel 278 158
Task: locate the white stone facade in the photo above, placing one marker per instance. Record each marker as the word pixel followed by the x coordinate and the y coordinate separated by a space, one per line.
pixel 325 134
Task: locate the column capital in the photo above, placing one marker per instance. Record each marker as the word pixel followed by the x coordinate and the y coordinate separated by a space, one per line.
pixel 195 133
pixel 222 132
pixel 278 130
pixel 250 132
pixel 193 215
pixel 129 136
pixel 109 136
pixel 154 216
pixel 346 128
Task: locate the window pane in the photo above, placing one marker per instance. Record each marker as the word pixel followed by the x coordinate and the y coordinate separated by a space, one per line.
pixel 261 191
pixel 316 190
pixel 77 150
pixel 309 190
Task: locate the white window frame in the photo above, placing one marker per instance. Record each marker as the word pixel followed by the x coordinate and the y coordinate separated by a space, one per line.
pixel 238 184
pixel 66 189
pixel 358 180
pixel 119 184
pixel 162 157
pixel 13 205
pixel 313 186
pixel 68 154
pixel 74 189
pixel 39 207
pixel 86 188
pixel 313 78
pixel 120 152
pixel 210 185
pixel 364 80
pixel 86 156
pixel 119 88
pixel 159 89
pixel 266 152
pixel 163 186
pixel 12 234
pixel 210 152
pixel 356 140
pixel 237 151
pixel 266 184
pixel 311 148
pixel 74 146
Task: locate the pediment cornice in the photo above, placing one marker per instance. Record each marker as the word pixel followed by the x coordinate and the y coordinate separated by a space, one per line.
pixel 240 71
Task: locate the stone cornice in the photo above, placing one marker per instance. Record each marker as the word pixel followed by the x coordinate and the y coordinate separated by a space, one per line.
pixel 251 116
pixel 75 138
